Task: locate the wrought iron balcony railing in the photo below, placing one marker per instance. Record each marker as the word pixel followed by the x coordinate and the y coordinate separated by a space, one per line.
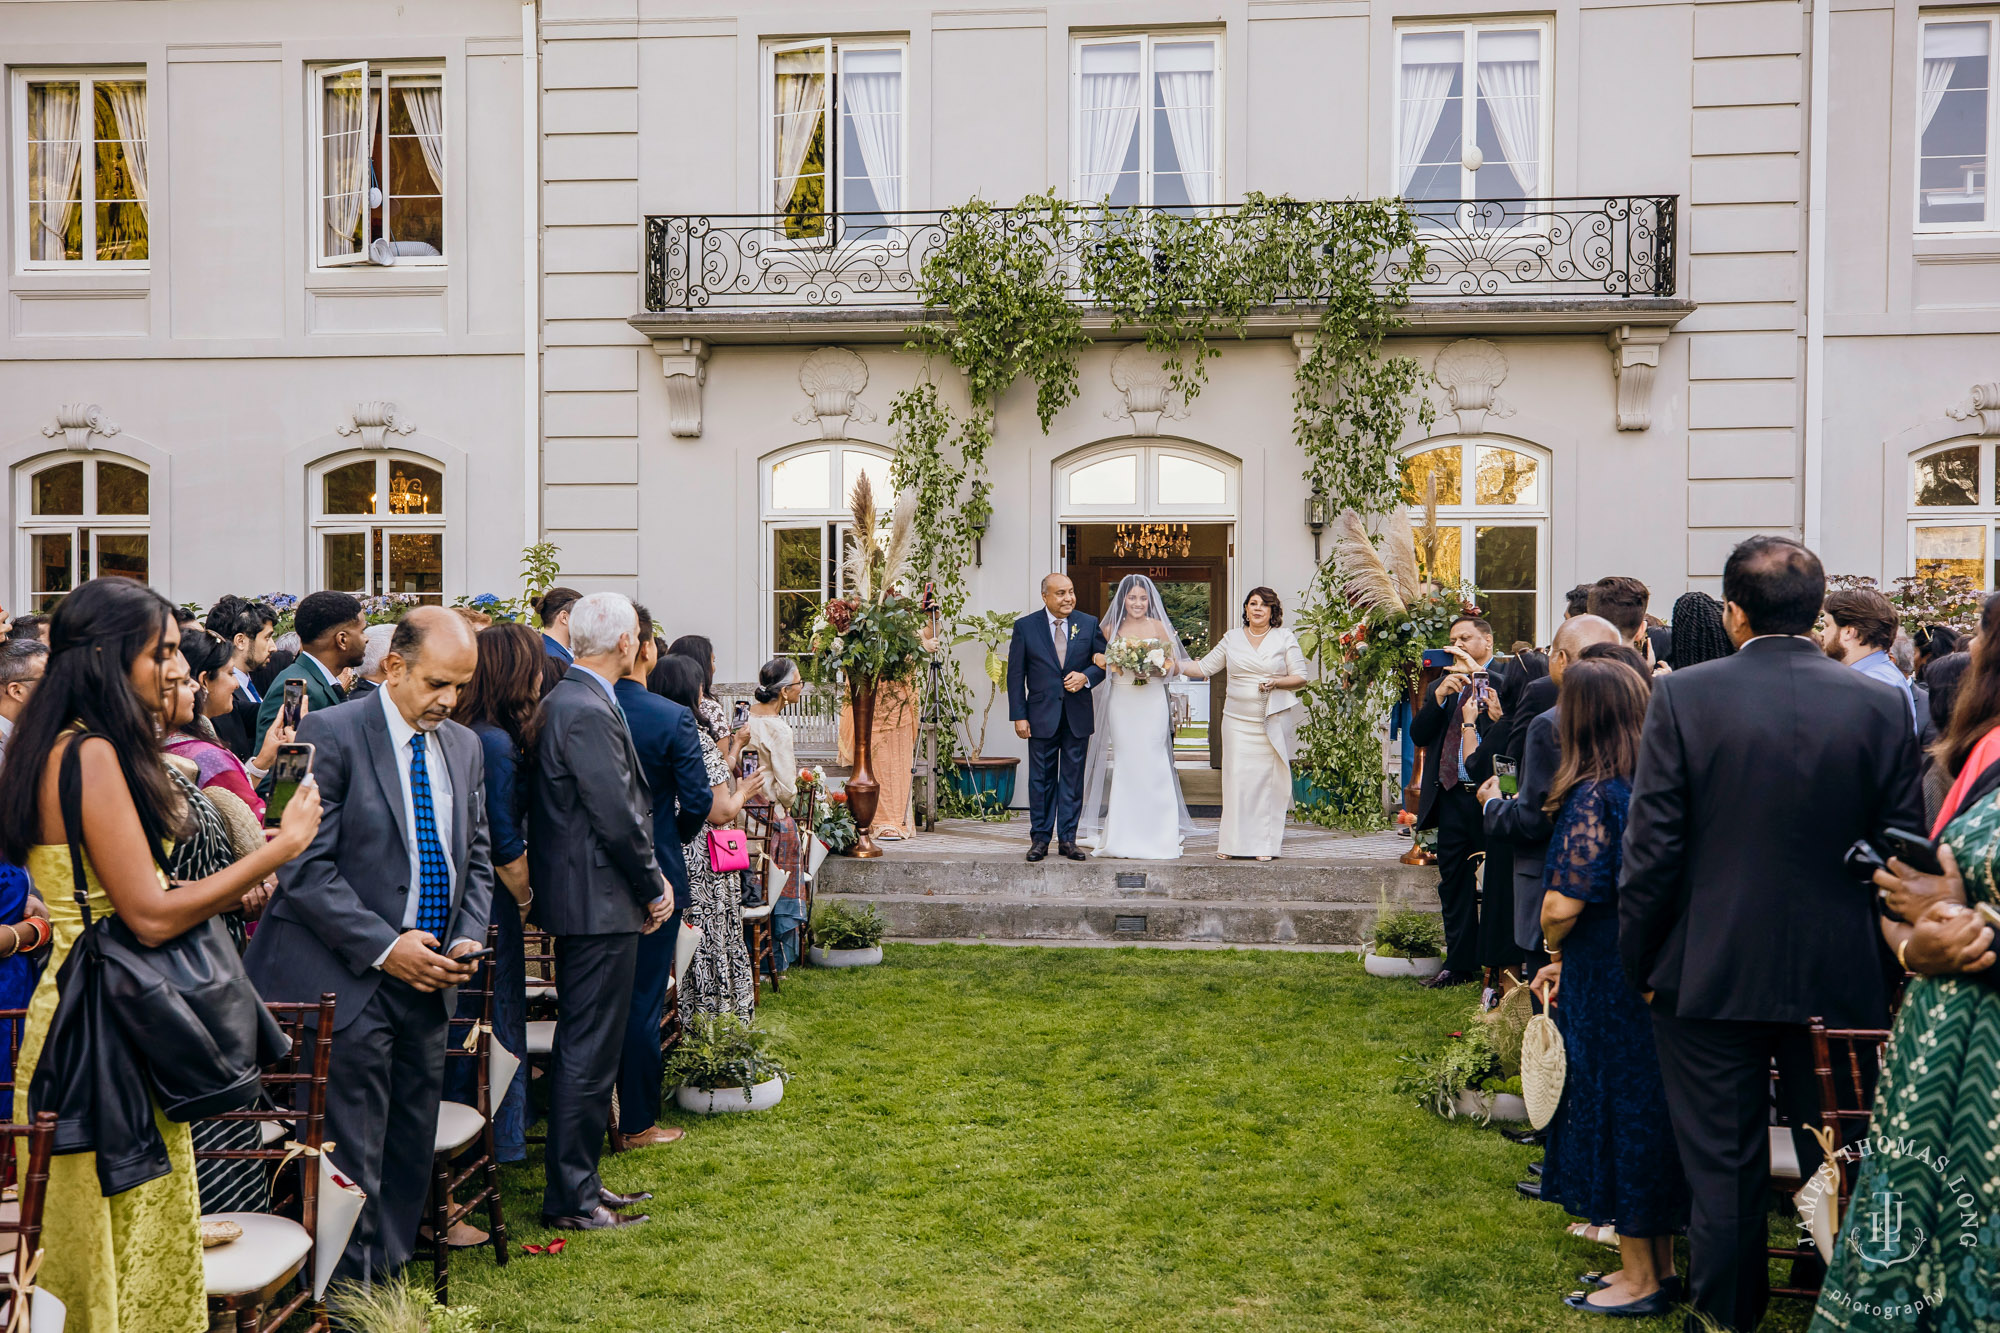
pixel 1617 247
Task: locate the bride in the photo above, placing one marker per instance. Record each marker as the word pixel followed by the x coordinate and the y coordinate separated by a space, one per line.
pixel 1132 803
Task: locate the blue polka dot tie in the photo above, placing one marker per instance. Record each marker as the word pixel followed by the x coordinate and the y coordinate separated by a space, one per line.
pixel 434 881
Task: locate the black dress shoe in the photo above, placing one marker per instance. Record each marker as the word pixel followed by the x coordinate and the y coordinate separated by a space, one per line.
pixel 1038 851
pixel 1532 1138
pixel 611 1200
pixel 1449 978
pixel 1646 1307
pixel 599 1218
pixel 1592 1281
pixel 1072 851
pixel 1528 1189
pixel 1534 1169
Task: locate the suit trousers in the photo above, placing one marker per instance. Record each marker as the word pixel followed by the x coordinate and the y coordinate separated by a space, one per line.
pixel 593 1000
pixel 384 1082
pixel 1055 784
pixel 640 1063
pixel 1461 840
pixel 1718 1084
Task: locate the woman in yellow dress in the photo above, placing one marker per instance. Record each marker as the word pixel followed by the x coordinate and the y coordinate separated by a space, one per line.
pixel 130 1263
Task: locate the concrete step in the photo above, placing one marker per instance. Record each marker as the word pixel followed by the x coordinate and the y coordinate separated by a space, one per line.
pixel 1365 882
pixel 1124 921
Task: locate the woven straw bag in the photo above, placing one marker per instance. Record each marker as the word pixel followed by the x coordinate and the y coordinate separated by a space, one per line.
pixel 1543 1067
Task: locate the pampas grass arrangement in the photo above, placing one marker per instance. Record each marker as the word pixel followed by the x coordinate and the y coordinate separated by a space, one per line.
pixel 876 568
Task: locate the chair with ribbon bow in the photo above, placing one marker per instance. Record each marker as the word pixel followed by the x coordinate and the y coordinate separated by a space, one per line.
pixel 465 1133
pixel 1846 1064
pixel 760 935
pixel 26 1308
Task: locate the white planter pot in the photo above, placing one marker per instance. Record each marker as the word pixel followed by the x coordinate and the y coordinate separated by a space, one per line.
pixel 1501 1105
pixel 844 957
pixel 1377 966
pixel 720 1101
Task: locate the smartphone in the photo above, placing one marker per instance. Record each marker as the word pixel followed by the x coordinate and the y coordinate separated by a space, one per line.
pixel 1508 774
pixel 295 699
pixel 750 763
pixel 1440 658
pixel 742 715
pixel 1913 850
pixel 292 767
pixel 1479 684
pixel 476 956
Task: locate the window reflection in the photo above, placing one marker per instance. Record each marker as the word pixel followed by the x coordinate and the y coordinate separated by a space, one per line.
pixel 1950 477
pixel 1183 481
pixel 1443 464
pixel 1506 477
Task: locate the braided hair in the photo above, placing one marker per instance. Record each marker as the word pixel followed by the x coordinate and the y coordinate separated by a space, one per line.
pixel 1698 633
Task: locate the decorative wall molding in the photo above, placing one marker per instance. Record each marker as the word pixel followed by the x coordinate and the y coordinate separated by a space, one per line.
pixel 77 422
pixel 1983 408
pixel 373 422
pixel 684 361
pixel 1635 360
pixel 832 379
pixel 1470 371
pixel 1147 391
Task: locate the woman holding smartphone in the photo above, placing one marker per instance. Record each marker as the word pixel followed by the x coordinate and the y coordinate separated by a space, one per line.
pixel 770 744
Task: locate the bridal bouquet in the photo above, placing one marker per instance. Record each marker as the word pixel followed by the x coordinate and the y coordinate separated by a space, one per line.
pixel 1140 658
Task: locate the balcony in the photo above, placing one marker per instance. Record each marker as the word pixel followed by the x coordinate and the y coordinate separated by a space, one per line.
pixel 1509 265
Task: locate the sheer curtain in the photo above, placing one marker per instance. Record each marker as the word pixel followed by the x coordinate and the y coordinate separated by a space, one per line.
pixel 54 115
pixel 1108 115
pixel 871 92
pixel 1945 44
pixel 1510 84
pixel 344 137
pixel 800 108
pixel 426 108
pixel 1430 61
pixel 128 108
pixel 1186 71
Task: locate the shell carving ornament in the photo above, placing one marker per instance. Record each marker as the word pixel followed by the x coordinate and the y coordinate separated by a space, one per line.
pixel 1147 389
pixel 832 379
pixel 1470 371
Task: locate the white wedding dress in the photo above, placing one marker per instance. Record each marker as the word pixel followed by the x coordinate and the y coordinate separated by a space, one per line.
pixel 1133 807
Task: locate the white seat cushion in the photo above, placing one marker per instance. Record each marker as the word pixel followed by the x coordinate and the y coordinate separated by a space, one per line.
pixel 542 991
pixel 759 913
pixel 458 1125
pixel 1784 1155
pixel 270 1250
pixel 541 1036
pixel 273 1131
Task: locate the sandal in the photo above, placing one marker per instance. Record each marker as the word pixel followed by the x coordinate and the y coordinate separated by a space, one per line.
pixel 1606 1236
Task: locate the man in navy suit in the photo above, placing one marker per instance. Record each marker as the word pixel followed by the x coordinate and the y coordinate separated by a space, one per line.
pixel 1051 666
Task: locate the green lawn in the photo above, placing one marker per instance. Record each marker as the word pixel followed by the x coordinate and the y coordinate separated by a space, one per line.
pixel 987 1138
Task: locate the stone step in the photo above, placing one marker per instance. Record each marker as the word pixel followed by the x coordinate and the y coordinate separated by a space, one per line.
pixel 1365 882
pixel 1124 920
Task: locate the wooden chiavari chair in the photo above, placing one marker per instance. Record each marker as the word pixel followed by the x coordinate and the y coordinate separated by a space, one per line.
pixel 21 1218
pixel 1846 1063
pixel 465 1134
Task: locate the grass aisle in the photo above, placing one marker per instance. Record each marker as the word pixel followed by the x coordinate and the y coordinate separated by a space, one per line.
pixel 1023 1138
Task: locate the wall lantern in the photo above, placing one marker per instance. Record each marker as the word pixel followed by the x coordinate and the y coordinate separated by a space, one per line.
pixel 985 511
pixel 1319 514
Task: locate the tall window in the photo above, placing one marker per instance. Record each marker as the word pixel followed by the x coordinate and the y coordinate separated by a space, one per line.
pixel 1954 505
pixel 1493 521
pixel 1471 118
pixel 1146 124
pixel 807 522
pixel 82 517
pixel 379 179
pixel 1955 122
pixel 378 526
pixel 80 149
pixel 856 172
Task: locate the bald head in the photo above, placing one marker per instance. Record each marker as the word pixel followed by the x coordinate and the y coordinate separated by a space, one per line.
pixel 431 656
pixel 1576 634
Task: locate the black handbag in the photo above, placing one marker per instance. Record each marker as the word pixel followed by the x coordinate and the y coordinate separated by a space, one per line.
pixel 178 1024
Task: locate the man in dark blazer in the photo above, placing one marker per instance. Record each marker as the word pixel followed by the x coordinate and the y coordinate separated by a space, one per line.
pixel 1736 919
pixel 1051 667
pixel 247 628
pixel 669 750
pixel 1450 728
pixel 597 887
pixel 331 629
pixel 395 885
pixel 552 609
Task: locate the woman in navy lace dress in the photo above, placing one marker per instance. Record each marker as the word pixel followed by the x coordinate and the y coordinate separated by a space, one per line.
pixel 1611 1157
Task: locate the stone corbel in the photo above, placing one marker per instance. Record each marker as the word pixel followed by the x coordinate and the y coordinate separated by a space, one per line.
pixel 684 361
pixel 373 422
pixel 1983 409
pixel 1635 360
pixel 77 422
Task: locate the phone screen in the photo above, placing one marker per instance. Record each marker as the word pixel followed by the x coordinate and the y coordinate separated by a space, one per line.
pixel 750 762
pixel 742 715
pixel 293 764
pixel 295 697
pixel 1507 775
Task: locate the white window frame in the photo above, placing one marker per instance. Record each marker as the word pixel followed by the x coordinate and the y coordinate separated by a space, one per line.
pixel 1991 222
pixel 1468 517
pixel 373 72
pixel 1469 105
pixel 1983 517
pixel 1146 42
pixel 1147 504
pixel 324 525
pixel 833 48
pixel 86 78
pixel 832 522
pixel 83 561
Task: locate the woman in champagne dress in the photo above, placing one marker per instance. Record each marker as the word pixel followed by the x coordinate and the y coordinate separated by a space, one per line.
pixel 1260 723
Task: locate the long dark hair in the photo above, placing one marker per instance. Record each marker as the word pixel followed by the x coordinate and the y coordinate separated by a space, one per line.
pixel 678 678
pixel 1977 710
pixel 1698 633
pixel 96 635
pixel 206 654
pixel 702 653
pixel 1603 707
pixel 506 686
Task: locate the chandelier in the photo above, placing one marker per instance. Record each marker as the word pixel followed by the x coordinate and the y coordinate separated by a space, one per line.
pixel 1153 541
pixel 406 495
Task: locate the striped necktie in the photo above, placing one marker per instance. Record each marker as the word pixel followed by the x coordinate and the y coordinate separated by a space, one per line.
pixel 434 881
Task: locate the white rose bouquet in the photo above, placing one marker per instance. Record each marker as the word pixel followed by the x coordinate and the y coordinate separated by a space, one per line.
pixel 1138 658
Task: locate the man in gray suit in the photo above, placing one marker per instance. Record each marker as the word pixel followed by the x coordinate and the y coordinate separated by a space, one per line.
pixel 399 867
pixel 597 889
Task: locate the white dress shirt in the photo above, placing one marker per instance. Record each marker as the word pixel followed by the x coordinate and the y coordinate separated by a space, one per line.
pixel 332 680
pixel 439 774
pixel 246 686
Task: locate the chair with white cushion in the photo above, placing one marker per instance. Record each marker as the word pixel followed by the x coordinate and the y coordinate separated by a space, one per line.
pixel 686 940
pixel 465 1133
pixel 21 1219
pixel 760 934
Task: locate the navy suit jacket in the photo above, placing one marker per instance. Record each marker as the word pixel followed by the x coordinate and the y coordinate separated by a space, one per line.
pixel 670 756
pixel 1035 693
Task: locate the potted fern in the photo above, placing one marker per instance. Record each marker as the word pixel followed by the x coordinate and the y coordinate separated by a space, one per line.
pixel 1405 944
pixel 724 1065
pixel 846 935
pixel 986 783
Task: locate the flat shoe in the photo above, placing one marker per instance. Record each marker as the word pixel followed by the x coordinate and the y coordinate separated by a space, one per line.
pixel 1528 1189
pixel 599 1218
pixel 1646 1307
pixel 1594 1281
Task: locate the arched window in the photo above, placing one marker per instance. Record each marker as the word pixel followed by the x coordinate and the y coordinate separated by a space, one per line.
pixel 1147 481
pixel 378 525
pixel 81 516
pixel 1493 526
pixel 1954 502
pixel 806 520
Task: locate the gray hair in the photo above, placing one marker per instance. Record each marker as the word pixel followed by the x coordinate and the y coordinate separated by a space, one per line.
pixel 377 639
pixel 17 656
pixel 1903 652
pixel 597 621
pixel 1056 574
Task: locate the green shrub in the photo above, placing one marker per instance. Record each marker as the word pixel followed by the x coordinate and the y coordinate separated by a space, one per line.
pixel 722 1051
pixel 1409 934
pixel 398 1305
pixel 841 925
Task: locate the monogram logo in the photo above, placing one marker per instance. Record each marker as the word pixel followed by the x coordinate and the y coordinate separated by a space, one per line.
pixel 1883 1237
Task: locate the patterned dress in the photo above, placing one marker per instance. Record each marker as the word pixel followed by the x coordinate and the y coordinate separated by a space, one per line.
pixel 719 977
pixel 1924 1223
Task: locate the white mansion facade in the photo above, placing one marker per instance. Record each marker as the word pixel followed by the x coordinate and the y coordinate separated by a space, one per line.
pixel 298 298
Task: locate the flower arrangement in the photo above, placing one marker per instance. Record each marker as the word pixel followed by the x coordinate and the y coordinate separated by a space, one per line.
pixel 874 633
pixel 1140 659
pixel 832 822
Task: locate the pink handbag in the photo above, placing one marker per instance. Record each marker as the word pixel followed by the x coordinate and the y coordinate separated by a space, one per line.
pixel 728 850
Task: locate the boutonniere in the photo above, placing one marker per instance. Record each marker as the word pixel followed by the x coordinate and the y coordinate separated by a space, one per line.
pixel 1072 631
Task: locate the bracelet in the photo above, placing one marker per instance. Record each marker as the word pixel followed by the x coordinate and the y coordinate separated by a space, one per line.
pixel 1902 949
pixel 40 929
pixel 17 943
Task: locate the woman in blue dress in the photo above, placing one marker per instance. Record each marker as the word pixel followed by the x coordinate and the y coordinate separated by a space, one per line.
pixel 1611 1157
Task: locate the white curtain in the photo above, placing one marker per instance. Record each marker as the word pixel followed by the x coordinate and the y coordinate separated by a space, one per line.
pixel 1512 91
pixel 345 137
pixel 1430 61
pixel 1188 96
pixel 871 92
pixel 426 108
pixel 800 108
pixel 1937 78
pixel 56 184
pixel 1108 114
pixel 128 107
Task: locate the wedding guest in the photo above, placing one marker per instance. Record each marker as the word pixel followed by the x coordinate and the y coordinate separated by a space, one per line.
pixel 29 627
pixel 22 662
pixel 368 676
pixel 1260 722
pixel 1456 716
pixel 247 628
pixel 131 1261
pixel 778 686
pixel 701 652
pixel 1576 601
pixel 1622 601
pixel 332 639
pixel 1611 1157
pixel 1946 676
pixel 213 687
pixel 1698 633
pixel 1858 631
pixel 719 978
pixel 552 609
